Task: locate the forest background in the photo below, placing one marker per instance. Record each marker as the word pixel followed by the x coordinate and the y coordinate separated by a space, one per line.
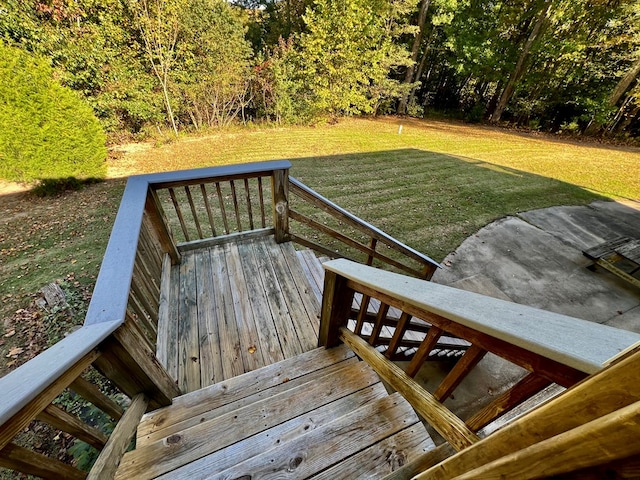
pixel 149 65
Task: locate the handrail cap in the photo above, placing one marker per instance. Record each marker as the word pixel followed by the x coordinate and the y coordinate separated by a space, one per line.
pixel 583 345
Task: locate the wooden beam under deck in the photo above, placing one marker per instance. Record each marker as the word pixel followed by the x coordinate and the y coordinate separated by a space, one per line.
pixel 233 308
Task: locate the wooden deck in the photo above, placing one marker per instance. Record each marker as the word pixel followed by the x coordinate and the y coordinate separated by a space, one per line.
pixel 323 414
pixel 234 308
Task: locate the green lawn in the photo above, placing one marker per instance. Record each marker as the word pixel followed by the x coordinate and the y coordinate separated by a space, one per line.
pixel 431 186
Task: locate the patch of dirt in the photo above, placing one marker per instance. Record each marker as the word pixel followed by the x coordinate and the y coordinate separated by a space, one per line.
pixel 12 188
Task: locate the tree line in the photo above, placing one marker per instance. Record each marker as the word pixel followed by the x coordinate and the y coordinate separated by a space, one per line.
pixel 551 65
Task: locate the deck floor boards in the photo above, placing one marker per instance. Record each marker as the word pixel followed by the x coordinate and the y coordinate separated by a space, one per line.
pixel 323 414
pixel 234 308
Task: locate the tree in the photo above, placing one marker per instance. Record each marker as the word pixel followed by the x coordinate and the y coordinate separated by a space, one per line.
pixel 46 131
pixel 348 53
pixel 410 75
pixel 519 69
pixel 212 63
pixel 159 23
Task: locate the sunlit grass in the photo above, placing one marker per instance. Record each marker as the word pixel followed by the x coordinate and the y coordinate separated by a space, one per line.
pixel 610 171
pixel 430 186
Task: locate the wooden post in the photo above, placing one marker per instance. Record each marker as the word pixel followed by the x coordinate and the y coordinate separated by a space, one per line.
pixel 336 306
pixel 154 210
pixel 280 189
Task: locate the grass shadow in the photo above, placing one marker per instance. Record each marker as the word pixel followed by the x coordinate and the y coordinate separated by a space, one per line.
pixel 431 201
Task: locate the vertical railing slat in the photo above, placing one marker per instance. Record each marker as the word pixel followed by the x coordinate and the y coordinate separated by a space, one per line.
pixel 234 197
pixel 362 314
pixel 261 196
pixel 222 209
pixel 207 206
pixel 192 206
pixel 377 327
pixel 280 191
pixel 176 206
pixel 398 333
pixel 248 197
pixel 425 348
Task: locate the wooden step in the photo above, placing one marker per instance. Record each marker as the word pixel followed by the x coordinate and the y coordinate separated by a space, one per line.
pixel 301 418
pixel 247 386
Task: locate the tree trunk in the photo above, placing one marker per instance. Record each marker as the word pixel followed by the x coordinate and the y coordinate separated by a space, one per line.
pixel 519 69
pixel 415 49
pixel 167 102
pixel 625 82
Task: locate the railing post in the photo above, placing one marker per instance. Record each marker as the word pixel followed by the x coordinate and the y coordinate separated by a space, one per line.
pixel 337 298
pixel 154 210
pixel 280 189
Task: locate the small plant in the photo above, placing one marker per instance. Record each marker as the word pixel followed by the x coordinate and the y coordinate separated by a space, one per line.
pixel 49 187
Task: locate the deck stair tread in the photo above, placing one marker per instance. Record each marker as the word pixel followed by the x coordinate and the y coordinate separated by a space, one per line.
pixel 322 413
pixel 447 347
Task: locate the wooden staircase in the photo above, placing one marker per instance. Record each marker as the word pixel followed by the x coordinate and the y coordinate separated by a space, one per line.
pixel 322 414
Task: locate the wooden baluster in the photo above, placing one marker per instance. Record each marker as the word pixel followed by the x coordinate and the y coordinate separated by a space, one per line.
pixel 205 198
pixel 192 206
pixel 261 196
pixel 362 314
pixel 149 304
pixel 222 209
pixel 142 273
pixel 372 246
pixel 151 256
pixel 521 391
pixel 398 333
pixel 377 327
pixel 462 368
pixel 176 206
pixel 424 349
pixel 109 459
pixel 234 197
pixel 248 197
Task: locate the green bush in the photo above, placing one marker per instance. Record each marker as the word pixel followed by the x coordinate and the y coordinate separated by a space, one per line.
pixel 46 131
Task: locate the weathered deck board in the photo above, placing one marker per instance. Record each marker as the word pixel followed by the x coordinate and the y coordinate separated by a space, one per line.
pixel 323 413
pixel 152 459
pixel 233 308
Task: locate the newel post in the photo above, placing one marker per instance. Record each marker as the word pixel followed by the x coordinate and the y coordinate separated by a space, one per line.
pixel 280 189
pixel 337 298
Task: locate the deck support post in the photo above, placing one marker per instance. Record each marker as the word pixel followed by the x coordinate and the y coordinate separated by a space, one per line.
pixel 280 189
pixel 336 307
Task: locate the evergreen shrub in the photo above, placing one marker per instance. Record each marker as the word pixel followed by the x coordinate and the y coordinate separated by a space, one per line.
pixel 46 130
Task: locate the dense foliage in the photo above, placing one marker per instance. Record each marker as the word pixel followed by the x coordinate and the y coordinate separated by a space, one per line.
pixel 554 65
pixel 46 130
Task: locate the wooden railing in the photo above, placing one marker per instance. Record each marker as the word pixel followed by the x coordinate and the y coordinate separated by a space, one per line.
pixel 115 350
pixel 161 216
pixel 552 348
pixel 205 210
pixel 347 236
